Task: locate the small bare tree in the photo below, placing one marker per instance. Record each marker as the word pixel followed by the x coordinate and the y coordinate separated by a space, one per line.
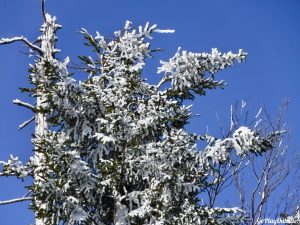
pixel 270 172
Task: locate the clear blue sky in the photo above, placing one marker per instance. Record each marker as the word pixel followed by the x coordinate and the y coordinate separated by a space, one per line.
pixel 269 30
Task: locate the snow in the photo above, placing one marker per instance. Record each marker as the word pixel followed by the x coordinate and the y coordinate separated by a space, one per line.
pixel 193 72
pixel 113 149
pixel 166 31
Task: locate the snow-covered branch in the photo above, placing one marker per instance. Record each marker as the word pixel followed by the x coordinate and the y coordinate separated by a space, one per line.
pixel 4 41
pixel 194 72
pixel 162 81
pixel 25 123
pixel 14 167
pixel 24 104
pixel 164 31
pixel 11 201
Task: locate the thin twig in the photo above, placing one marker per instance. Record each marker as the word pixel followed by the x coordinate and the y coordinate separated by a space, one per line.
pixel 43 10
pixel 26 123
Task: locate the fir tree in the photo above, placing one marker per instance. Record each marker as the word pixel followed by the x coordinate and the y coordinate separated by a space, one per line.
pixel 113 149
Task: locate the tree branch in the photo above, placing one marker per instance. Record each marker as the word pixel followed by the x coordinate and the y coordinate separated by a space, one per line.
pixel 163 80
pixel 24 104
pixel 5 41
pixel 26 123
pixel 11 201
pixel 43 10
pixel 6 175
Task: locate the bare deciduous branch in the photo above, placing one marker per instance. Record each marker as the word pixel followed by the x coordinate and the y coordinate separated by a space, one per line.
pixel 269 172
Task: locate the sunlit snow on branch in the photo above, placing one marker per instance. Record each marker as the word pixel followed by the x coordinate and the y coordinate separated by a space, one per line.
pixel 113 149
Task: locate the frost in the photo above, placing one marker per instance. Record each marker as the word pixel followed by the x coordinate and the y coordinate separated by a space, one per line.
pixel 113 149
pixel 244 140
pixel 189 71
pixel 102 137
pixel 14 167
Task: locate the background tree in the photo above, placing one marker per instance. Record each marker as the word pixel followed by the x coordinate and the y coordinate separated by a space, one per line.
pixel 266 185
pixel 113 149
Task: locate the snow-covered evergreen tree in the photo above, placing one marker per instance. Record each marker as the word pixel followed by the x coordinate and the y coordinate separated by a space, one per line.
pixel 113 149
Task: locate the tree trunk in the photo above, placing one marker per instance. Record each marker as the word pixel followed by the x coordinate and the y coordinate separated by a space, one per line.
pixel 40 129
